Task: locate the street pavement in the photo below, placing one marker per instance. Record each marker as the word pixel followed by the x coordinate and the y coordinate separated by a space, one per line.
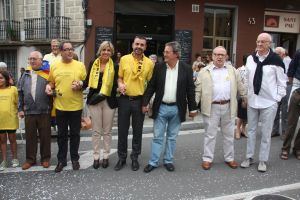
pixel 188 181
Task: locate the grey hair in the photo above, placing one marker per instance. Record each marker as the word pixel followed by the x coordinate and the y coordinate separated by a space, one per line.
pixel 3 65
pixel 176 47
pixel 39 54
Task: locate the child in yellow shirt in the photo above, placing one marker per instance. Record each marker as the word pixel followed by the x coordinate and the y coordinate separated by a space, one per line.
pixel 8 119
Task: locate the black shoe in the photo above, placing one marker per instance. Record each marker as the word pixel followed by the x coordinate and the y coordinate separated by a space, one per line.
pixel 148 168
pixel 75 165
pixel 120 164
pixel 169 166
pixel 96 164
pixel 105 163
pixel 59 167
pixel 135 165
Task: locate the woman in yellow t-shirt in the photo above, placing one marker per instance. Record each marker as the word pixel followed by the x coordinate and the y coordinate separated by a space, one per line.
pixel 8 119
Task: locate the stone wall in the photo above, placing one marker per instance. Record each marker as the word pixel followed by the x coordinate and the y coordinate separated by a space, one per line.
pixel 69 8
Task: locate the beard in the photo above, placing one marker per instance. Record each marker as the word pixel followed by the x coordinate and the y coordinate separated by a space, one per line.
pixel 138 51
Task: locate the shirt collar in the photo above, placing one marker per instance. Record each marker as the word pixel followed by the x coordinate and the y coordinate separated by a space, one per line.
pixel 263 56
pixel 214 67
pixel 175 68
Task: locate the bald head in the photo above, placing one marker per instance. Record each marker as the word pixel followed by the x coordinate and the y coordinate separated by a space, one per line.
pixel 263 43
pixel 219 56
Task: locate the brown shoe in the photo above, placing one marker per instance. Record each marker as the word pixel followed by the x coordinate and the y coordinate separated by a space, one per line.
pixel 206 165
pixel 45 164
pixel 232 164
pixel 27 165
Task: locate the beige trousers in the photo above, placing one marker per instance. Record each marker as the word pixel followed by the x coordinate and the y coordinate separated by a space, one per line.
pixel 102 119
pixel 219 116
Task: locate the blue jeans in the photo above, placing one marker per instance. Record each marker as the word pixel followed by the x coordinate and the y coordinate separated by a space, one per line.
pixel 167 115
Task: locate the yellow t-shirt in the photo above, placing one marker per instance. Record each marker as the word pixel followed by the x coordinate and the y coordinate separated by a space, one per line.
pixel 8 108
pixel 129 68
pixel 62 75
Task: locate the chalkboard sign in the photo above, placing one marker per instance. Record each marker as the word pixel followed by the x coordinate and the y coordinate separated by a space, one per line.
pixel 184 37
pixel 103 34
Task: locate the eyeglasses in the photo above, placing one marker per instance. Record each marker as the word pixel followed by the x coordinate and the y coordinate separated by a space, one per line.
pixel 262 41
pixel 68 49
pixel 219 55
pixel 34 59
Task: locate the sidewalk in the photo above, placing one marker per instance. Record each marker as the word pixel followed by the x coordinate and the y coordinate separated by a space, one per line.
pixel 189 124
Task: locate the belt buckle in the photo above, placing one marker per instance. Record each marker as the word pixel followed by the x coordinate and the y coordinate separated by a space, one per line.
pixel 130 98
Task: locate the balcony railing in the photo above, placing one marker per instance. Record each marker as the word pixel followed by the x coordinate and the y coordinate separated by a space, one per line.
pixel 9 30
pixel 47 28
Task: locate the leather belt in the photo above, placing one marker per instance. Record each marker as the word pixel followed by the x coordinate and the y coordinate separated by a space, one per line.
pixel 222 102
pixel 132 98
pixel 169 104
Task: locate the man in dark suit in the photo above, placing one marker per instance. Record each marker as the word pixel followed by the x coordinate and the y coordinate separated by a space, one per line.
pixel 172 83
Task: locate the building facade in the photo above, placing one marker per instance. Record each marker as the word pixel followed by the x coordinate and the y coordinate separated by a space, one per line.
pixel 199 25
pixel 27 25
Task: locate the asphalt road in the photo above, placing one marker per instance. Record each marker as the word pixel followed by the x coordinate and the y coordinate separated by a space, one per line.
pixel 188 181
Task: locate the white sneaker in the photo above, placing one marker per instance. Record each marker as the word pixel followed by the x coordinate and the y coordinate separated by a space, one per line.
pixel 246 163
pixel 15 163
pixel 262 167
pixel 3 165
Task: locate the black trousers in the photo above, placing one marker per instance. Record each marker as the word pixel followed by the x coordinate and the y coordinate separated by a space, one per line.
pixel 130 107
pixel 65 119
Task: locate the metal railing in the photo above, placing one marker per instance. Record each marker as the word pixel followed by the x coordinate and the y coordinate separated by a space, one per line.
pixel 47 28
pixel 9 30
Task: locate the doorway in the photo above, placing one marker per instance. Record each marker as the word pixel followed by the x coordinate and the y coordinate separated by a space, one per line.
pixel 285 40
pixel 158 30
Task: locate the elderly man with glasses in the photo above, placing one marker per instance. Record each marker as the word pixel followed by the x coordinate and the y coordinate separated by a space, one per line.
pixel 35 105
pixel 217 86
pixel 266 87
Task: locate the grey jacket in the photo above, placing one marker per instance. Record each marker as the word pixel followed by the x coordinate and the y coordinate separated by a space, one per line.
pixel 42 103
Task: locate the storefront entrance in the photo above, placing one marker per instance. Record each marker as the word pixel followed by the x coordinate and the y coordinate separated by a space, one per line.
pixel 151 19
pixel 285 40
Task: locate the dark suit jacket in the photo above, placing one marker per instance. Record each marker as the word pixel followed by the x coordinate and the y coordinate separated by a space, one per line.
pixel 112 100
pixel 185 89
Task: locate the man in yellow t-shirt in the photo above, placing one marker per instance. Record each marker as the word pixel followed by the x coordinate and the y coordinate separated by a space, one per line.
pixel 135 70
pixel 65 82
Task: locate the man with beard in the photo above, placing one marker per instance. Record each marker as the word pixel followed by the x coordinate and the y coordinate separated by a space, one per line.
pixel 135 70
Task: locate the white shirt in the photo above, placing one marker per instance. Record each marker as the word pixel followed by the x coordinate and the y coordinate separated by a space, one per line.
pixel 33 84
pixel 171 84
pixel 221 84
pixel 272 87
pixel 286 60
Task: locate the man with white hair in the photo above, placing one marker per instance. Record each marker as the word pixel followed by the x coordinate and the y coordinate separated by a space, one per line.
pixel 283 104
pixel 266 87
pixel 55 54
pixel 34 105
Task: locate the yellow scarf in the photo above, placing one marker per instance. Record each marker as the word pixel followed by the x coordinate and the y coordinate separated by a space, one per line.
pixel 137 69
pixel 108 76
pixel 41 73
